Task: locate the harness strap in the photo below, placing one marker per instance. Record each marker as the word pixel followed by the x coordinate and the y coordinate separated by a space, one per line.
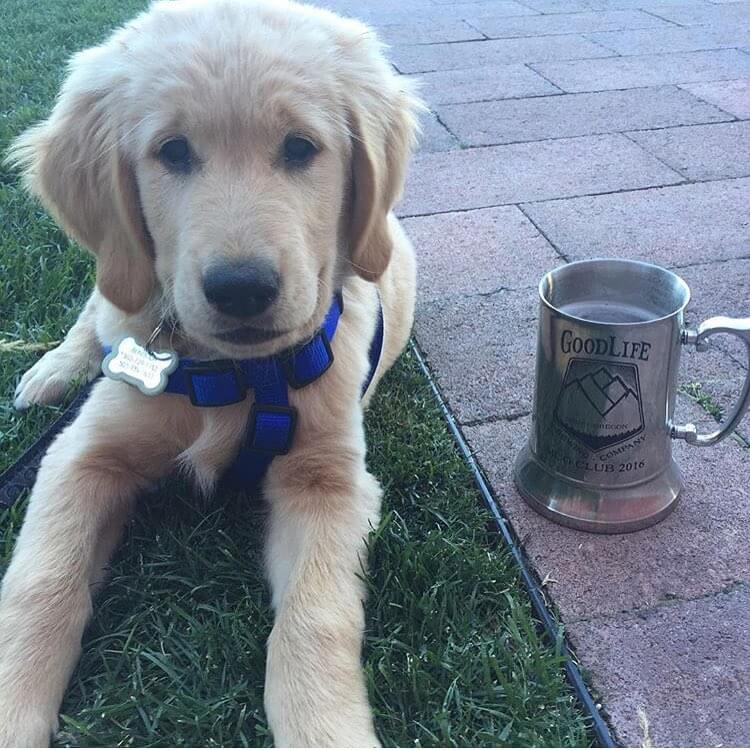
pixel 272 421
pixel 376 349
pixel 223 382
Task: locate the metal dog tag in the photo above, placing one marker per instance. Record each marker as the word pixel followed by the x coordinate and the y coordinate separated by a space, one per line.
pixel 132 363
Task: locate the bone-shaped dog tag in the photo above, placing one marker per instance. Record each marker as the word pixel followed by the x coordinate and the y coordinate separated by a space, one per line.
pixel 146 370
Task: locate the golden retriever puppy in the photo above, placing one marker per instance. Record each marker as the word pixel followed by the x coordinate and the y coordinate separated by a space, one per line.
pixel 233 165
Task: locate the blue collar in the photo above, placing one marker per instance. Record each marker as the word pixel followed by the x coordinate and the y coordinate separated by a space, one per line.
pixel 272 421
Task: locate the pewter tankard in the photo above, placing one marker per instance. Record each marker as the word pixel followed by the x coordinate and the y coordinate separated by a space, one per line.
pixel 599 457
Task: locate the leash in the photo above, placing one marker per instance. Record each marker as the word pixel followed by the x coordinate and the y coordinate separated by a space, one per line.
pixel 212 383
pixel 21 475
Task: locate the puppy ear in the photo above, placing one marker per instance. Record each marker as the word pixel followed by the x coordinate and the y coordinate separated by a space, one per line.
pixel 74 163
pixel 383 129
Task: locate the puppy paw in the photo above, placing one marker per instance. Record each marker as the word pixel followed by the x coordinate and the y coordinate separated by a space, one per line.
pixel 52 376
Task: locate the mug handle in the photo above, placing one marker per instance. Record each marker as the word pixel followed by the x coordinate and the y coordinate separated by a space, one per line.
pixel 740 327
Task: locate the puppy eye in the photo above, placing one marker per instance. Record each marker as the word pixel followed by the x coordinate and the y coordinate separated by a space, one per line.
pixel 176 156
pixel 298 151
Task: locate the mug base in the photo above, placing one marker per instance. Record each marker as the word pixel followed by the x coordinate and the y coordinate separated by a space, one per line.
pixel 602 510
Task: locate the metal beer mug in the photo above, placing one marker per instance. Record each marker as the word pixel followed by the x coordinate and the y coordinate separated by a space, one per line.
pixel 599 457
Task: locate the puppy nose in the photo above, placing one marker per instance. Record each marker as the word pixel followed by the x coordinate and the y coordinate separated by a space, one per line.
pixel 241 289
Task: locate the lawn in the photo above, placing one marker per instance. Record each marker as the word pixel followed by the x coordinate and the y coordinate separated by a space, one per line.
pixel 175 652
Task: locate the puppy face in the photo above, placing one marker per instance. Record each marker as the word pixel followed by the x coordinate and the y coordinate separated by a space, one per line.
pixel 243 173
pixel 233 159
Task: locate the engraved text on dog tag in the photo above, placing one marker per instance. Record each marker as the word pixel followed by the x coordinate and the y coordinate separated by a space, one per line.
pixel 146 370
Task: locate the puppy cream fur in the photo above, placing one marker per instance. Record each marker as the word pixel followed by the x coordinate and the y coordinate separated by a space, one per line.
pixel 235 78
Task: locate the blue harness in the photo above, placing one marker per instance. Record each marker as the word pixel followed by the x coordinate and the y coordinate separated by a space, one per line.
pixel 271 424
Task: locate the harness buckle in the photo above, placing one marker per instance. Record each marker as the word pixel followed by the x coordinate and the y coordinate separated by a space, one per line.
pixel 318 359
pixel 215 383
pixel 271 429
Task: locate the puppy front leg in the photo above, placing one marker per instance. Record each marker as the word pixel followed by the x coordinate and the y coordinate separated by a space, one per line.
pixel 79 355
pixel 80 502
pixel 323 504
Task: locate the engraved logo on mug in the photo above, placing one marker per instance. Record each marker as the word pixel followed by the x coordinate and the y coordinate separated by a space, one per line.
pixel 600 403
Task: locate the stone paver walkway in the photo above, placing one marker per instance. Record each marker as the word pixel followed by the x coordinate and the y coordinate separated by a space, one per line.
pixel 567 129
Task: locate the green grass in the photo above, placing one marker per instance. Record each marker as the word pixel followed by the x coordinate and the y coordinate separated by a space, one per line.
pixel 175 652
pixel 695 392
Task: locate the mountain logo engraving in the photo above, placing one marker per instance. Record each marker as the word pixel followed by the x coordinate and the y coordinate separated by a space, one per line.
pixel 600 403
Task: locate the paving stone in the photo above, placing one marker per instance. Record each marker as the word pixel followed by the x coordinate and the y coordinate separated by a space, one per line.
pixel 482 350
pixel 562 6
pixel 506 7
pixel 567 23
pixel 690 14
pixel 490 123
pixel 672 226
pixel 476 252
pixel 478 84
pixel 481 177
pixel 435 136
pixel 720 289
pixel 397 13
pixel 700 152
pixel 684 666
pixel 574 6
pixel 719 373
pixel 698 550
pixel 731 96
pixel 672 39
pixel 644 70
pixel 425 58
pixel 428 32
pixel 717 376
pixel 381 12
pixel 490 7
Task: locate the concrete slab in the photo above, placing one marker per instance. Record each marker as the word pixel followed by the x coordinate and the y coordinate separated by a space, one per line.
pixel 491 123
pixel 477 252
pixel 701 152
pixel 699 550
pixel 673 226
pixel 425 58
pixel 731 96
pixel 435 136
pixel 644 70
pixel 684 666
pixel 672 39
pixel 428 32
pixel 567 23
pixel 702 14
pixel 481 350
pixel 488 82
pixel 477 178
